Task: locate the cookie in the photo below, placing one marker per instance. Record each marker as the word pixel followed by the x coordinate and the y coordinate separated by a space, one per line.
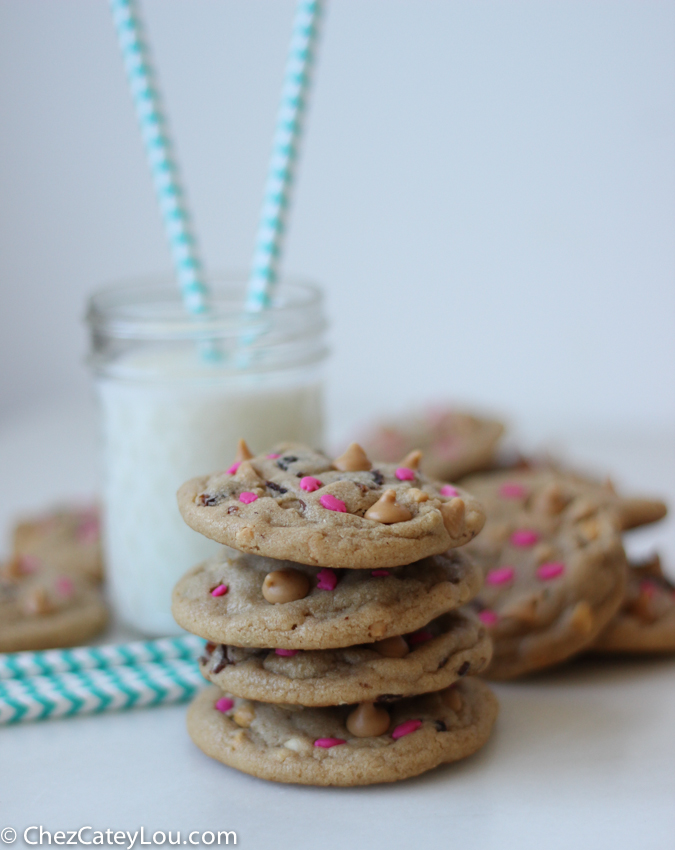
pixel 298 504
pixel 41 608
pixel 222 600
pixel 450 647
pixel 554 566
pixel 313 746
pixel 454 443
pixel 646 621
pixel 67 540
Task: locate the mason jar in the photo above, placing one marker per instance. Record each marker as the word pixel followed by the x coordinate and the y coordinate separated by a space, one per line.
pixel 176 393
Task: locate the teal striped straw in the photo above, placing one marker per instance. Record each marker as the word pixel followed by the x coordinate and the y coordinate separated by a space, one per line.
pixel 280 173
pixel 159 149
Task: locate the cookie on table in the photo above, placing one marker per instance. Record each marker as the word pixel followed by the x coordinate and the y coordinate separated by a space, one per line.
pixel 455 443
pixel 430 659
pixel 248 600
pixel 42 608
pixel 345 745
pixel 67 540
pixel 348 512
pixel 554 567
pixel 646 621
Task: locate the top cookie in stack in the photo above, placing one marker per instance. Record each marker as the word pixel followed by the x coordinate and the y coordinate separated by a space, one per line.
pixel 333 638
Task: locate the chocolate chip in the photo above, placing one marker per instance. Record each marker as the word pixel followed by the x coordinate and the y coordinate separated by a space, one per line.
pixel 464 669
pixel 286 461
pixel 219 659
pixel 233 509
pixel 440 726
pixel 276 487
pixel 209 501
pixel 378 478
pixel 443 662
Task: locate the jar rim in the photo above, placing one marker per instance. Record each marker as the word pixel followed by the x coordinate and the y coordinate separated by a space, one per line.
pixel 151 307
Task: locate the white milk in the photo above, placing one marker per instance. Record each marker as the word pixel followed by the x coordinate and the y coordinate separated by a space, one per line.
pixel 183 421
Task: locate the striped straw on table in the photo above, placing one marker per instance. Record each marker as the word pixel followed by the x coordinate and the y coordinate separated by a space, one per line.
pixel 280 173
pixel 97 690
pixel 159 149
pixel 21 665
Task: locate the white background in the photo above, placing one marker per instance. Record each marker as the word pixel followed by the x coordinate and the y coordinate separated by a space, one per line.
pixel 486 191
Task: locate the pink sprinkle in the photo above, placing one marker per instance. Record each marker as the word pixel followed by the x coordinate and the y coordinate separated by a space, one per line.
pixel 327 743
pixel 524 537
pixel 405 474
pixel 65 586
pixel 286 653
pixel 221 590
pixel 422 636
pixel 447 490
pixel 406 728
pixel 309 484
pixel 247 498
pixel 273 455
pixel 327 579
pixel 29 564
pixel 88 531
pixel 488 617
pixel 648 587
pixel 550 570
pixel 224 704
pixel 512 491
pixel 501 575
pixel 378 573
pixel 234 468
pixel 331 503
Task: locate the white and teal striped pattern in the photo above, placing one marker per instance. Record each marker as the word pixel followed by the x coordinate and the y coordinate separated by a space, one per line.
pixel 159 149
pixel 97 690
pixel 271 227
pixel 21 665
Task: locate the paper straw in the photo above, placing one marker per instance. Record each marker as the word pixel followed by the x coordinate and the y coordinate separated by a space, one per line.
pixel 98 690
pixel 159 149
pixel 287 136
pixel 22 665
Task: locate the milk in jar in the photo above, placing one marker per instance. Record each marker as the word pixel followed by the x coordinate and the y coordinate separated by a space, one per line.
pixel 175 395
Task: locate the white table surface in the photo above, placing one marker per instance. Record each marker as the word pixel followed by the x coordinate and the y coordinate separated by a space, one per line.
pixel 581 757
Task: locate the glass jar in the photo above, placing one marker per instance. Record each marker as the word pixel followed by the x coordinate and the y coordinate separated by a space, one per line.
pixel 176 393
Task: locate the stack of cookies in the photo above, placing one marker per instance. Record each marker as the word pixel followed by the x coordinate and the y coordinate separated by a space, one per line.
pixel 335 645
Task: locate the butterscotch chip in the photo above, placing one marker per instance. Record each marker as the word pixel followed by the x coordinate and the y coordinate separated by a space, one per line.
pixel 443 651
pixel 393 647
pixel 353 460
pixel 287 585
pixel 423 733
pixel 368 721
pixel 244 715
pixel 299 507
pixel 550 589
pixel 340 609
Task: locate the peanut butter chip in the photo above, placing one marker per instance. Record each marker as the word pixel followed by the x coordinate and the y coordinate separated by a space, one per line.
pixel 393 647
pixel 243 452
pixel 412 460
pixel 417 495
pixel 453 515
pixel 285 586
pixel 247 475
pixel 368 721
pixel 244 715
pixel 387 511
pixel 453 699
pixel 38 603
pixel 353 460
pixel 378 629
pixel 582 618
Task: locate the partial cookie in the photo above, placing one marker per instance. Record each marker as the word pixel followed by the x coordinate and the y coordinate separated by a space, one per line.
pixel 646 621
pixel 448 648
pixel 298 504
pixel 313 746
pixel 41 608
pixel 222 600
pixel 67 540
pixel 554 565
pixel 454 443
